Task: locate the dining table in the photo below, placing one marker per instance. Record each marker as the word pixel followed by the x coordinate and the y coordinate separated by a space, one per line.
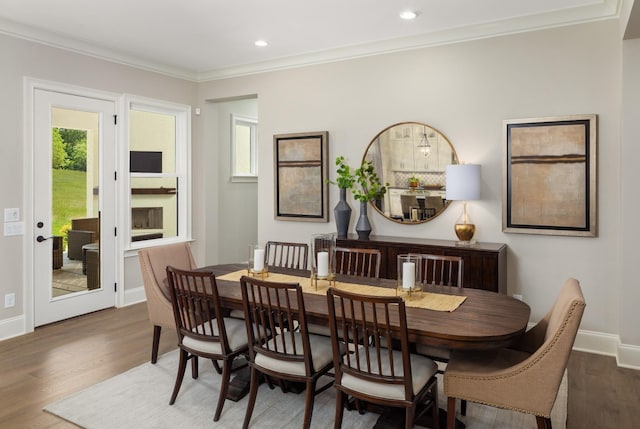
pixel 482 320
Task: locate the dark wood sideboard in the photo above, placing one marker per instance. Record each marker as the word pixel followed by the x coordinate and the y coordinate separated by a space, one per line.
pixel 485 264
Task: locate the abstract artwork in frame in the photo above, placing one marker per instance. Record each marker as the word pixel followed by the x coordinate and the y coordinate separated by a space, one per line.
pixel 549 178
pixel 301 168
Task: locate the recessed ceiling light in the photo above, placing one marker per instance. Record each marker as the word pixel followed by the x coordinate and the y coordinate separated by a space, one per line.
pixel 408 14
pixel 261 43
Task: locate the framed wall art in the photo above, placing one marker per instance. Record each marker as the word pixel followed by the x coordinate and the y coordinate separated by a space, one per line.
pixel 301 167
pixel 549 177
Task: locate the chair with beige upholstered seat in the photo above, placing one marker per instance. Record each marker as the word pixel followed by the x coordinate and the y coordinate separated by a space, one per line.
pixel 525 378
pixel 153 263
pixel 202 328
pixel 375 372
pixel 279 343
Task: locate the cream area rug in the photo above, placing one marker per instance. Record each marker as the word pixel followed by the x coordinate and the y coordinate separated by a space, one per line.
pixel 139 399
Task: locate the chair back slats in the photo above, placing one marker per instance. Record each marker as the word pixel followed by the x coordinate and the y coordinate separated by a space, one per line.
pixel 275 311
pixel 358 262
pixel 378 319
pixel 442 270
pixel 196 305
pixel 287 255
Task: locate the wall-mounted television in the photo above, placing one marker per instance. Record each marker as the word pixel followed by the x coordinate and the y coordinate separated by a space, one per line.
pixel 145 162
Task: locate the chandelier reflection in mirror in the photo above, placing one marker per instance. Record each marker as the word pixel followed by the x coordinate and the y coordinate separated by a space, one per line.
pixel 423 146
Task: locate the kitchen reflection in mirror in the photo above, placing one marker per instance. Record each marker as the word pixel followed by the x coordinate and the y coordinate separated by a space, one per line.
pixel 412 158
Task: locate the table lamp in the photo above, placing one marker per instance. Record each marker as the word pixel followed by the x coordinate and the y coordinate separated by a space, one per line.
pixel 463 184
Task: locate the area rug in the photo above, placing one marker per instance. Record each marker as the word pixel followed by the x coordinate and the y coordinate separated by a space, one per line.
pixel 139 399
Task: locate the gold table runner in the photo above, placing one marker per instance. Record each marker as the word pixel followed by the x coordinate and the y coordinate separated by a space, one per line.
pixel 427 300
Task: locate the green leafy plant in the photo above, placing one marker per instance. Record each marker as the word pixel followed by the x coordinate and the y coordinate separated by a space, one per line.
pixel 345 177
pixel 413 180
pixel 370 186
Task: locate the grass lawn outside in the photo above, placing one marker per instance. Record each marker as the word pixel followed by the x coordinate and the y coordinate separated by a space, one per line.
pixel 68 199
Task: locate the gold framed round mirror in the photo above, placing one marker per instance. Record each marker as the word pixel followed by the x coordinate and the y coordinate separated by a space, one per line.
pixel 412 158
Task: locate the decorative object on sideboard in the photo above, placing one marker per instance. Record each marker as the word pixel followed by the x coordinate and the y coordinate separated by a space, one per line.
pixel 463 184
pixel 370 188
pixel 342 210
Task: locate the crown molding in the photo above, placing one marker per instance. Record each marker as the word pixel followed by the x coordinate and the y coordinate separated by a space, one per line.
pixel 601 10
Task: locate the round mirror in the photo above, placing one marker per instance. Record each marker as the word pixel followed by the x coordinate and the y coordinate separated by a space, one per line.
pixel 412 158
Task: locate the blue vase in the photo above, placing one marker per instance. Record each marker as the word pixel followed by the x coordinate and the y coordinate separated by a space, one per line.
pixel 363 227
pixel 342 213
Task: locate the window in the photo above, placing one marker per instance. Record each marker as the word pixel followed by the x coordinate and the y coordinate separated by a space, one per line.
pixel 243 149
pixel 158 180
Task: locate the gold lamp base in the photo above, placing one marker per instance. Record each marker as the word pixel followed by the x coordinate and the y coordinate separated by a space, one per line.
pixel 465 232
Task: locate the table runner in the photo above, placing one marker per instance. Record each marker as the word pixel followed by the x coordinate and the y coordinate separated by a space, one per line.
pixel 427 300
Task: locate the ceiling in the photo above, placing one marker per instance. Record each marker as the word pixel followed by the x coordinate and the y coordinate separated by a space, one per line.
pixel 208 39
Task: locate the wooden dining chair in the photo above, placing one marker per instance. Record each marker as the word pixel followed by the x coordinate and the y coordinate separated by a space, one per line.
pixel 442 270
pixel 358 262
pixel 202 328
pixel 525 377
pixel 279 343
pixel 153 264
pixel 287 255
pixel 376 372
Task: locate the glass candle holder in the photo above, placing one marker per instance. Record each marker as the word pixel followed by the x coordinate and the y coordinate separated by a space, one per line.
pixel 323 257
pixel 409 273
pixel 257 260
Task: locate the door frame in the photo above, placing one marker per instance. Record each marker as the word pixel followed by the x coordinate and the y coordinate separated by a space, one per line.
pixel 30 85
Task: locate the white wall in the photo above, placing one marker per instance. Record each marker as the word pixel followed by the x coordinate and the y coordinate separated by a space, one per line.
pixel 231 207
pixel 466 90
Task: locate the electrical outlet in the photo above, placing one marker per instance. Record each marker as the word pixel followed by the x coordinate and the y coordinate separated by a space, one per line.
pixel 518 297
pixel 9 300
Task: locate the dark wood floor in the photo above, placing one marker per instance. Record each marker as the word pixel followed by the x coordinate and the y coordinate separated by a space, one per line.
pixel 62 358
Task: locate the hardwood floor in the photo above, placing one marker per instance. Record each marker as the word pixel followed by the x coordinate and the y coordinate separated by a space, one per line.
pixel 65 357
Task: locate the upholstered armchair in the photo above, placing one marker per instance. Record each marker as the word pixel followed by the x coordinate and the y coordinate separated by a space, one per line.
pixel 525 378
pixel 153 263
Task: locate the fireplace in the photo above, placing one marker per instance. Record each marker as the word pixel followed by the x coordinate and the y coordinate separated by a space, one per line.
pixel 146 218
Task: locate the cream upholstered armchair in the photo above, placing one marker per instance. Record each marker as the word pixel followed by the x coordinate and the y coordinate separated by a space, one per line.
pixel 153 263
pixel 525 378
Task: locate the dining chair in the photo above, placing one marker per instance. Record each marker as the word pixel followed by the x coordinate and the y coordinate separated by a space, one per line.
pixel 407 202
pixel 442 270
pixel 202 328
pixel 153 263
pixel 376 372
pixel 287 255
pixel 280 346
pixel 358 262
pixel 527 376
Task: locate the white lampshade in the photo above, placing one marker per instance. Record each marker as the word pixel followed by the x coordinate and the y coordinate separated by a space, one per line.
pixel 463 182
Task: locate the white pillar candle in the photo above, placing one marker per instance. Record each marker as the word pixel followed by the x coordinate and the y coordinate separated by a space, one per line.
pixel 408 275
pixel 258 259
pixel 323 264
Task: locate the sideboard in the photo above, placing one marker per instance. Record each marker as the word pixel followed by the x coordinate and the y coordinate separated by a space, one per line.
pixel 485 264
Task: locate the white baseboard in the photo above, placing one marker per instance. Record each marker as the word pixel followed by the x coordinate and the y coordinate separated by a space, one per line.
pixel 134 296
pixel 12 327
pixel 629 356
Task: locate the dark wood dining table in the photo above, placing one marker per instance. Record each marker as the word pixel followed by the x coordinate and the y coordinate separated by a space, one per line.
pixel 485 320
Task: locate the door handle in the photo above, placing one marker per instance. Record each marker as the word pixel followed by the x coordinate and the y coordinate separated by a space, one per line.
pixel 40 238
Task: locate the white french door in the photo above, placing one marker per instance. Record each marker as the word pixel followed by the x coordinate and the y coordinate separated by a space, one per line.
pixel 73 184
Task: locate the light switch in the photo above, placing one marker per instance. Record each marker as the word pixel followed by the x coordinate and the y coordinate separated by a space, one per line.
pixel 11 215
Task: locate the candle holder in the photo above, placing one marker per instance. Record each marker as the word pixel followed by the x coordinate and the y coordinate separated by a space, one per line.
pixel 323 259
pixel 257 265
pixel 409 274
